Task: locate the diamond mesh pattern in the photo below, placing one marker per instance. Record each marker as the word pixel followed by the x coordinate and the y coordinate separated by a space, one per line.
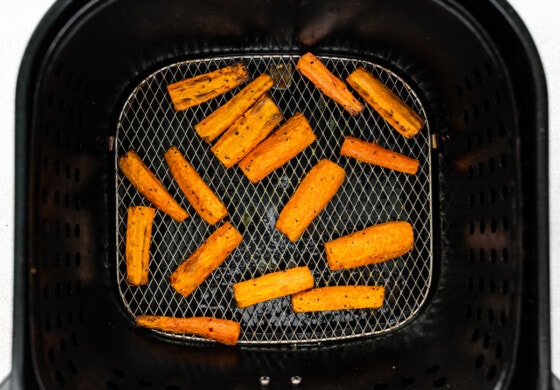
pixel 149 124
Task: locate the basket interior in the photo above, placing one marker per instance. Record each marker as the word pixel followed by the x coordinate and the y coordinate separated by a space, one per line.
pixel 149 125
pixel 466 332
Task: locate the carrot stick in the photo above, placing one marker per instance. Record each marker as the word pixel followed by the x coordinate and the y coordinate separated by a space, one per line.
pixel 217 122
pixel 199 89
pixel 372 153
pixel 386 103
pixel 199 194
pixel 247 131
pixel 222 331
pixel 149 185
pixel 312 68
pixel 272 285
pixel 338 298
pixel 310 198
pixel 280 147
pixel 197 267
pixel 373 244
pixel 137 247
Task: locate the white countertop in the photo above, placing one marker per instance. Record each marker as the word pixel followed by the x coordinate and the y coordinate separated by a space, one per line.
pixel 18 18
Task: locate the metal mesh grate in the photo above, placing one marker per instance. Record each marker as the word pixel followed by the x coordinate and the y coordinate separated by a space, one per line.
pixel 149 124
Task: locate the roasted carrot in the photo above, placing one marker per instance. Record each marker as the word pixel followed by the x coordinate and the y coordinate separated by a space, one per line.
pixel 137 246
pixel 247 131
pixel 222 331
pixel 372 153
pixel 197 267
pixel 218 121
pixel 385 102
pixel 313 194
pixel 373 244
pixel 292 137
pixel 199 89
pixel 273 285
pixel 338 298
pixel 198 193
pixel 149 185
pixel 312 68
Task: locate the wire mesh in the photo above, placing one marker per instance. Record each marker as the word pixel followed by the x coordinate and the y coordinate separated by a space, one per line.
pixel 370 195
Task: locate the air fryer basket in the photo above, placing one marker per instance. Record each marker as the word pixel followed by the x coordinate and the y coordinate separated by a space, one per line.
pixel 470 69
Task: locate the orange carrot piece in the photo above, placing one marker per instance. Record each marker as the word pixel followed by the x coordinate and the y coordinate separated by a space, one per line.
pixel 372 153
pixel 247 131
pixel 280 147
pixel 199 89
pixel 137 246
pixel 338 298
pixel 312 68
pixel 199 194
pixel 313 194
pixel 273 285
pixel 197 267
pixel 373 244
pixel 217 122
pixel 220 330
pixel 386 103
pixel 149 185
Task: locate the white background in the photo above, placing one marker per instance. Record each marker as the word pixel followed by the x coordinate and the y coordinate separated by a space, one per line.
pixel 18 18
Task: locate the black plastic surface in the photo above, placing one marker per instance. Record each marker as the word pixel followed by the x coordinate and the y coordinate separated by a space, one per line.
pixel 475 67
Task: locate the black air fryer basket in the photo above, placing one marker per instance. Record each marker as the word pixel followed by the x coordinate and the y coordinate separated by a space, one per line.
pixel 467 308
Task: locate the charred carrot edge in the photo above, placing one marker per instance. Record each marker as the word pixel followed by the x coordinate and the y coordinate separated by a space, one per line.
pixel 197 267
pixel 312 68
pixel 372 153
pixel 199 89
pixel 247 131
pixel 137 246
pixel 218 121
pixel 285 143
pixel 373 244
pixel 313 194
pixel 220 330
pixel 386 103
pixel 272 285
pixel 338 298
pixel 149 185
pixel 198 193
